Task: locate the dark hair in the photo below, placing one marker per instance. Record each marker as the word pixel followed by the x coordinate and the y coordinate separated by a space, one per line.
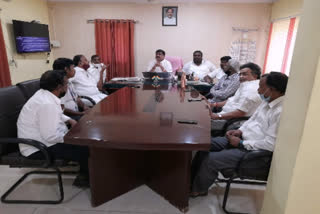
pixel 50 80
pixel 255 69
pixel 197 51
pixel 225 58
pixel 77 59
pixel 277 81
pixel 161 51
pixel 62 63
pixel 94 56
pixel 169 8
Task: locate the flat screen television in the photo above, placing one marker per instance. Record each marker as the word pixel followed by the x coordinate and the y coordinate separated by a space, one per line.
pixel 31 37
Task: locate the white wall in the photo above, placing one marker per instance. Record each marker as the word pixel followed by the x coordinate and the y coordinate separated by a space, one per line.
pixel 207 27
pixel 29 65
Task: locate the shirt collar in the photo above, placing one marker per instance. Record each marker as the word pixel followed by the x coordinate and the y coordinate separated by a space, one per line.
pixel 233 76
pixel 52 96
pixel 276 102
pixel 202 62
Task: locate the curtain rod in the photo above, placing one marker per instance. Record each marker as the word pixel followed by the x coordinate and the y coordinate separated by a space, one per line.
pixel 287 17
pixel 92 20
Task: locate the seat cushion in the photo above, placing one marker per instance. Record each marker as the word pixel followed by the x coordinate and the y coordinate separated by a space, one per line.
pixel 15 159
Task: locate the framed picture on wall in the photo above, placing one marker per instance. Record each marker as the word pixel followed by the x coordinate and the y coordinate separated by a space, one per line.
pixel 169 16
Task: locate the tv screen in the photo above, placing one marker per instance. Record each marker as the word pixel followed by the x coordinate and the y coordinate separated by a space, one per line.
pixel 31 37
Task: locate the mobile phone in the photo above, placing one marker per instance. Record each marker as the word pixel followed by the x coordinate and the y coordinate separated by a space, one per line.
pixel 188 121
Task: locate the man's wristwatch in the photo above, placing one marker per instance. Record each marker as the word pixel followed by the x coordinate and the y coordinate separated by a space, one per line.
pixel 220 116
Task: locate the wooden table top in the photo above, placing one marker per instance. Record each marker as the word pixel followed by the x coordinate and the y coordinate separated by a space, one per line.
pixel 144 119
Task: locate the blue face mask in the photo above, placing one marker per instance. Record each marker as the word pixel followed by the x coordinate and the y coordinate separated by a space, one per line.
pixel 264 98
pixel 267 99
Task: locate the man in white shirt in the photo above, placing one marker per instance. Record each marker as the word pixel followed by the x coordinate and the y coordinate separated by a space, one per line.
pixel 170 19
pixel 219 73
pixel 160 64
pixel 73 106
pixel 97 70
pixel 245 101
pixel 42 119
pixel 83 82
pixel 199 68
pixel 259 132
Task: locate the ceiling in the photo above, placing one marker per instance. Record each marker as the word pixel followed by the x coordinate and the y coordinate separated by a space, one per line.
pixel 168 1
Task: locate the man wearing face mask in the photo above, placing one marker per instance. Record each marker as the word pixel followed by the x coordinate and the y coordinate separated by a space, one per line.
pixel 98 70
pixel 42 119
pixel 83 82
pixel 228 84
pixel 199 68
pixel 259 132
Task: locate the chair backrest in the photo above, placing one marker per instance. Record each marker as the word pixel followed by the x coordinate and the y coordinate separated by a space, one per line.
pixel 29 87
pixel 12 101
pixel 176 63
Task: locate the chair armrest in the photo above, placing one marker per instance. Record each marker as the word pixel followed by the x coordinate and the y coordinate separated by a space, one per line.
pixel 233 120
pixel 42 147
pixel 88 98
pixel 256 154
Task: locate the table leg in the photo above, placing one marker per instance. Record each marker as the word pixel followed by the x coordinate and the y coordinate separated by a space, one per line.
pixel 114 172
pixel 168 174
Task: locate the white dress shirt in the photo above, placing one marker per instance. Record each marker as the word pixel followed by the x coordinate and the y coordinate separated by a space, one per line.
pixel 94 70
pixel 41 119
pixel 169 21
pixel 85 85
pixel 246 99
pixel 260 131
pixel 70 99
pixel 165 63
pixel 218 74
pixel 200 71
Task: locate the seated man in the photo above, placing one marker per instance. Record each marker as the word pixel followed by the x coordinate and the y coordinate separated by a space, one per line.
pixel 73 106
pixel 219 73
pixel 160 64
pixel 228 84
pixel 259 132
pixel 41 119
pixel 84 84
pixel 97 70
pixel 245 101
pixel 199 68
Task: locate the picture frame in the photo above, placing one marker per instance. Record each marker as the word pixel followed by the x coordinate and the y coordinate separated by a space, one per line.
pixel 169 16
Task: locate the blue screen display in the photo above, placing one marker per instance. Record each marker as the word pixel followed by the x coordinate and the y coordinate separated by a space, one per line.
pixel 32 44
pixel 31 37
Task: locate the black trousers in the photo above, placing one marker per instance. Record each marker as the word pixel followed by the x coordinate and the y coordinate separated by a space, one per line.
pixel 67 152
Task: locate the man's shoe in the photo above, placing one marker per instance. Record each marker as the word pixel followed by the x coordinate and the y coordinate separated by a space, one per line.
pixel 81 181
pixel 198 194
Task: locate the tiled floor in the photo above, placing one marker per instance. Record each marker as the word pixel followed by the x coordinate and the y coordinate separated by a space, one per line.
pixel 140 200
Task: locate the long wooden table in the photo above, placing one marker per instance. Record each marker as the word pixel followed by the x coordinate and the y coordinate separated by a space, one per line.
pixel 134 138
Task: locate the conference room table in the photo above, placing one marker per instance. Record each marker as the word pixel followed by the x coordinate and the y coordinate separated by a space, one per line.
pixel 112 86
pixel 135 138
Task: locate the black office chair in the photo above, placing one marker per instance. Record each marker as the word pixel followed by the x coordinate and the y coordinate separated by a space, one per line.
pixel 29 87
pixel 12 101
pixel 252 169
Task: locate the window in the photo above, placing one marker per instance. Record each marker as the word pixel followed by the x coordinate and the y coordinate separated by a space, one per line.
pixel 281 42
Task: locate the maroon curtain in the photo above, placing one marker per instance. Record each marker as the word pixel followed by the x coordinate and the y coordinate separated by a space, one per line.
pixel 5 79
pixel 115 46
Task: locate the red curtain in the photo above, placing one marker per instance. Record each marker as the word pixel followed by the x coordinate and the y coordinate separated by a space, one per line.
pixel 5 79
pixel 115 46
pixel 288 44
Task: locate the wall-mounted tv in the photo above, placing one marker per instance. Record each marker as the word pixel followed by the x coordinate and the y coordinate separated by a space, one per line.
pixel 31 37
